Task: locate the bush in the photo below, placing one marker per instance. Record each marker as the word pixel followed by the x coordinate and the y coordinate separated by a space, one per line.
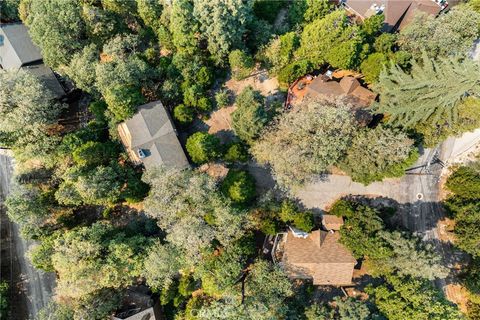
pixel 241 64
pixel 372 66
pixel 239 186
pixel 222 98
pixel 236 152
pixel 465 183
pixel 343 208
pixel 183 114
pixel 94 153
pixel 204 104
pixel 289 213
pixel 98 109
pixel 122 101
pixel 203 147
pixel 293 71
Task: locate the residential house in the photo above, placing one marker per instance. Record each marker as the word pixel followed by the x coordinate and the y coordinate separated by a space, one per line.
pixel 150 138
pixel 398 13
pixel 317 256
pixel 17 51
pixel 348 87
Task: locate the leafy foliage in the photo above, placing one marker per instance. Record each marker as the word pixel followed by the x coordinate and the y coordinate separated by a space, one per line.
pixel 304 143
pixel 4 301
pixel 373 66
pixel 241 64
pixel 239 186
pixel 410 99
pixel 236 152
pixel 408 298
pixel 378 153
pixel 203 147
pixel 250 117
pixel 222 24
pixel 331 39
pixel 452 33
pixel 181 201
pixel 93 258
pixel 183 114
pixel 279 52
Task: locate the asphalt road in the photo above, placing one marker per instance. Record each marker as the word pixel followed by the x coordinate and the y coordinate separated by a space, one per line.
pixel 416 195
pixel 31 289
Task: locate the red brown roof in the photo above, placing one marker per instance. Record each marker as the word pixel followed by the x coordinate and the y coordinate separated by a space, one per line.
pixel 398 13
pixel 349 87
pixel 319 257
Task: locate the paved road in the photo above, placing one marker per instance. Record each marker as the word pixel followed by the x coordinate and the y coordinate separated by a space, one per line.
pixel 416 194
pixel 32 289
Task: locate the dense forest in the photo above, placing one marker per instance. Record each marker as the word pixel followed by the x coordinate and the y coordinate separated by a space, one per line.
pixel 103 224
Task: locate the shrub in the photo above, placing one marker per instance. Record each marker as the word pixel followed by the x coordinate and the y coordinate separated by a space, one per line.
pixel 94 153
pixel 203 147
pixel 289 213
pixel 372 66
pixel 222 98
pixel 343 208
pixel 239 186
pixel 241 64
pixel 236 152
pixel 293 71
pixel 465 183
pixel 204 104
pixel 122 101
pixel 183 114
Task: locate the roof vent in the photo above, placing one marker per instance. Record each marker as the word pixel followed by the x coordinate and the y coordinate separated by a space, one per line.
pixel 141 154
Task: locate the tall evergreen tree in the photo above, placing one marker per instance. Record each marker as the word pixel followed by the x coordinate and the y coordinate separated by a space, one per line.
pixel 431 92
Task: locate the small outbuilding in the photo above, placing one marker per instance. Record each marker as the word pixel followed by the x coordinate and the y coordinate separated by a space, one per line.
pixel 150 138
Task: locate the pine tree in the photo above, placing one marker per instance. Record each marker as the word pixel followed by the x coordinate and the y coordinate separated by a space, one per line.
pixel 430 93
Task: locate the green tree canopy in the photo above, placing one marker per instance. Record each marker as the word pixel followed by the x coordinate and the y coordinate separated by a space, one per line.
pixel 239 186
pixel 56 26
pixel 92 258
pixel 412 98
pixel 250 117
pixel 203 147
pixel 304 143
pixel 378 153
pixel 452 33
pixel 190 209
pixel 331 39
pixel 223 24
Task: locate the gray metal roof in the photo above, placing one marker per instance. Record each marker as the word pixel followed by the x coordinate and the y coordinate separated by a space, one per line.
pixel 152 131
pixel 47 77
pixel 16 47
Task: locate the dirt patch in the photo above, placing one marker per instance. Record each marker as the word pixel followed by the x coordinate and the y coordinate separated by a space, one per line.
pixel 259 81
pixel 445 229
pixel 458 295
pixel 220 123
pixel 217 171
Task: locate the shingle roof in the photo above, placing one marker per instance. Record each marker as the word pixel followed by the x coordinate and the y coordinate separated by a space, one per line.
pixel 47 77
pixel 16 47
pixel 151 130
pixel 348 87
pixel 397 12
pixel 332 222
pixel 320 257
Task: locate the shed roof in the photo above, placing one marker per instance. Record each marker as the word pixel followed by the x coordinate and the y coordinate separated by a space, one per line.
pixel 152 131
pixel 16 47
pixel 47 77
pixel 332 222
pixel 319 256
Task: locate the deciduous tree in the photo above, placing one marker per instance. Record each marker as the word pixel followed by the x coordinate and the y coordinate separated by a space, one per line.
pixel 305 143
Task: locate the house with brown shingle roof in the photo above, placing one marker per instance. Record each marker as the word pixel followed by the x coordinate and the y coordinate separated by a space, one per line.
pixel 348 87
pixel 398 13
pixel 317 256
